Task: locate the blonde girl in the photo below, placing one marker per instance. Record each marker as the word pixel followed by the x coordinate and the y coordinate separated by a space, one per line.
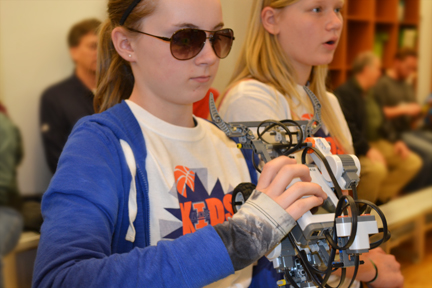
pixel 289 44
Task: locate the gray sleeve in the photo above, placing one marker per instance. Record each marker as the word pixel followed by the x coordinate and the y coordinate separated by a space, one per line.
pixel 254 230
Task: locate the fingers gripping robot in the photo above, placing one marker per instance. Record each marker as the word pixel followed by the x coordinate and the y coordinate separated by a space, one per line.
pixel 308 254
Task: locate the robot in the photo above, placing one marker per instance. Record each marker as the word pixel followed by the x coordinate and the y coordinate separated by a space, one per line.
pixel 308 254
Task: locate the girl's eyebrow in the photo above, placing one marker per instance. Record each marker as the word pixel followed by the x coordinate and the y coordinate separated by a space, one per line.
pixel 193 26
pixel 219 26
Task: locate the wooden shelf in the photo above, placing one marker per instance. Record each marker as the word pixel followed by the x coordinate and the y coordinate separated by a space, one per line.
pixel 411 15
pixel 359 18
pixel 390 46
pixel 360 9
pixel 371 25
pixel 386 10
pixel 385 21
pixel 339 58
pixel 409 23
pixel 335 78
pixel 360 38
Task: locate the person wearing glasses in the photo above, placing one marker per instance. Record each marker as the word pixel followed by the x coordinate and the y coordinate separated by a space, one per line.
pixel 288 45
pixel 141 196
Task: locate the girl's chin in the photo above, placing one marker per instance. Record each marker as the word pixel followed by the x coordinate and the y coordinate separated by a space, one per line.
pixel 323 61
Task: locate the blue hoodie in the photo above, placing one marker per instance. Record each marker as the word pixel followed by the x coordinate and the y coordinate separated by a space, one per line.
pixel 86 219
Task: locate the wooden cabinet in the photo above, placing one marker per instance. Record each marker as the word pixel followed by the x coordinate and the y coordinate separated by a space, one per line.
pixel 371 25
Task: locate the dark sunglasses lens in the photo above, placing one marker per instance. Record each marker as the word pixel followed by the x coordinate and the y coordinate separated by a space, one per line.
pixel 222 42
pixel 187 43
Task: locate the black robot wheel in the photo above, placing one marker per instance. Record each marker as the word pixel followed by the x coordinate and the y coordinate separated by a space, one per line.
pixel 240 194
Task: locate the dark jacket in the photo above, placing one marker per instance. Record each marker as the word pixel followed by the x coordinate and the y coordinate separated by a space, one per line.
pixel 62 105
pixel 389 92
pixel 352 100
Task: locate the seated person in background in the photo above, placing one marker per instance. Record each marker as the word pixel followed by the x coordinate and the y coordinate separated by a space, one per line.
pixel 385 170
pixel 398 102
pixel 64 103
pixel 11 223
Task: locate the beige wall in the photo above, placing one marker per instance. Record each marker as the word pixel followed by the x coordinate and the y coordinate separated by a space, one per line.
pixel 236 15
pixel 425 51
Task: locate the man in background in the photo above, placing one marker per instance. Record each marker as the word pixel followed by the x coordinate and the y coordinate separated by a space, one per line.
pixel 396 98
pixel 64 103
pixel 387 166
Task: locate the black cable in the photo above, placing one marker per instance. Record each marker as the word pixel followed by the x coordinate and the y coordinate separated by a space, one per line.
pixel 315 273
pixel 354 219
pixel 305 263
pixel 299 139
pixel 291 148
pixel 385 231
pixel 330 263
pixel 273 124
pixel 342 278
pixel 357 263
pixel 253 162
pixel 354 189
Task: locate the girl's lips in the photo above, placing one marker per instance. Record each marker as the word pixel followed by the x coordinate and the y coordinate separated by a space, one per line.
pixel 201 79
pixel 330 45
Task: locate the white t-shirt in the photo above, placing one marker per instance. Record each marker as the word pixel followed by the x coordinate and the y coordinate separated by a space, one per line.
pixel 252 100
pixel 191 175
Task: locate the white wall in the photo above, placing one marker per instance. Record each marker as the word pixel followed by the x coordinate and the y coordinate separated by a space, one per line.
pixel 425 51
pixel 33 55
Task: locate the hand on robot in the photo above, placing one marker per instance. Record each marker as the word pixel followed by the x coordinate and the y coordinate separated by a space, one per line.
pixel 412 109
pixel 401 149
pixel 376 156
pixel 389 273
pixel 278 174
pixel 261 223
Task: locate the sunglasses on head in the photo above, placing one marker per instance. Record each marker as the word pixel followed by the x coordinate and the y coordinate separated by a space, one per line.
pixel 187 43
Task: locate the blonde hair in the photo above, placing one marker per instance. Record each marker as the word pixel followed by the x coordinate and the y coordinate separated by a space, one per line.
pixel 114 76
pixel 262 58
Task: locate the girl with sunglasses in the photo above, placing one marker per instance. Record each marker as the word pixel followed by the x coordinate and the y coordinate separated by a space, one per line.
pixel 289 44
pixel 141 195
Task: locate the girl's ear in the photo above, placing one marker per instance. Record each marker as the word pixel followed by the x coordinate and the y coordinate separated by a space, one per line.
pixel 269 18
pixel 121 40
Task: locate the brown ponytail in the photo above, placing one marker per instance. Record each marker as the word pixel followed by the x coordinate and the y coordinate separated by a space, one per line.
pixel 114 76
